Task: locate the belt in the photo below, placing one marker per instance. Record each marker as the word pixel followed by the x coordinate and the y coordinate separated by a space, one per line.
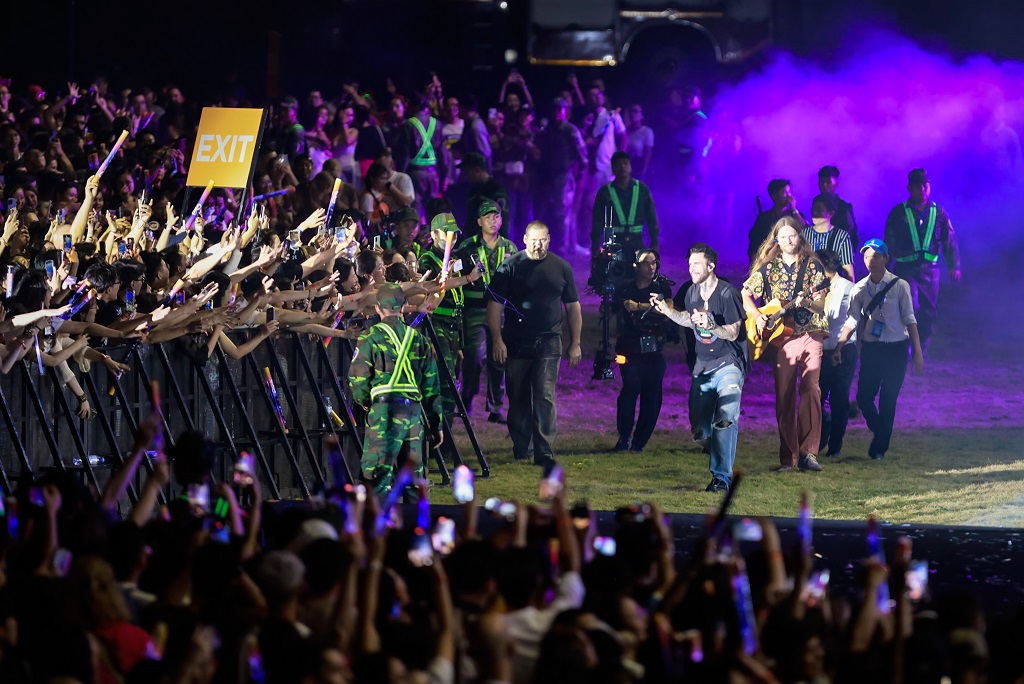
pixel 404 401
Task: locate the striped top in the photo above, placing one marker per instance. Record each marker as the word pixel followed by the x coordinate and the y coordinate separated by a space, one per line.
pixel 836 239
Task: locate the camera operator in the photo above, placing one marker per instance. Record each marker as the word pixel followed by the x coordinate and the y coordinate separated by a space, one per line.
pixel 628 205
pixel 641 336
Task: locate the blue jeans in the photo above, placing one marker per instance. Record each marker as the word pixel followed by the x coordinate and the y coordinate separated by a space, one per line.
pixel 714 417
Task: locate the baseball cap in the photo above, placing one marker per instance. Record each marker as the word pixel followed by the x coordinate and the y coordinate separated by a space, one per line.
pixel 472 160
pixel 406 214
pixel 875 244
pixel 444 222
pixel 488 207
pixel 917 177
pixel 390 296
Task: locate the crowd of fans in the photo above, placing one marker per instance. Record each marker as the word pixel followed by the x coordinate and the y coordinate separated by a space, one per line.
pixel 201 590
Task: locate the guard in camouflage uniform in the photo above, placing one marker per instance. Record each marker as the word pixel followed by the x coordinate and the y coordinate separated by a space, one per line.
pixel 394 376
pixel 447 317
pixel 489 249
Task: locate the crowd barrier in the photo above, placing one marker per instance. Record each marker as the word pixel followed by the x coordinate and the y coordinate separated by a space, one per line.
pixel 226 399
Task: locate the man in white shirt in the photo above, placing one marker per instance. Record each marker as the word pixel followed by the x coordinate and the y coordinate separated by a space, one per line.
pixel 836 374
pixel 882 313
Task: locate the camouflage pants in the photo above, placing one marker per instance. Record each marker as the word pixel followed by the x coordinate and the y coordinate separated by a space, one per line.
pixel 394 434
pixel 449 339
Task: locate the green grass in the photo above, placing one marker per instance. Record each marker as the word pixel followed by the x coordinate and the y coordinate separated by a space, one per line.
pixel 931 477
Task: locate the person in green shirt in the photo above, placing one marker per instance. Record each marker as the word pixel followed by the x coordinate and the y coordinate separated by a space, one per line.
pixel 393 375
pixel 487 250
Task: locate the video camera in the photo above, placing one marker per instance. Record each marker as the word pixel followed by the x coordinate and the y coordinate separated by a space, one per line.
pixel 610 268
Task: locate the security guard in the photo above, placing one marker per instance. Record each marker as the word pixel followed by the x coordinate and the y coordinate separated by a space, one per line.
pixel 641 337
pixel 630 205
pixel 488 249
pixel 916 232
pixel 447 317
pixel 394 376
pixel 420 153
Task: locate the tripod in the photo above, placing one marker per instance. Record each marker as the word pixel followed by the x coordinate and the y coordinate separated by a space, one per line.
pixel 604 285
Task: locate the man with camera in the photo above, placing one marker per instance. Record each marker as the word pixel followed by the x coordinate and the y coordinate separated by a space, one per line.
pixel 714 309
pixel 626 206
pixel 641 336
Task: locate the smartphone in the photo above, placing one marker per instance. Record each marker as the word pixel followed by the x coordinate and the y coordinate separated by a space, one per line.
pixel 443 539
pixel 917 580
pixel 294 236
pixel 271 313
pixel 463 485
pixel 551 483
pixel 217 523
pixel 339 234
pixel 62 217
pixel 421 553
pixel 129 244
pixel 605 545
pixel 199 498
pixel 67 243
pixel 475 258
pixel 376 242
pixel 505 509
pixel 50 269
pixel 746 530
pixel 35 497
pixel 180 298
pixel 816 586
pixel 122 249
pixel 244 469
pixel 287 247
pixel 12 204
pixel 129 300
pixel 9 281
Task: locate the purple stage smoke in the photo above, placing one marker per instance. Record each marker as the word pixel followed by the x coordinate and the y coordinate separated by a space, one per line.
pixel 884 108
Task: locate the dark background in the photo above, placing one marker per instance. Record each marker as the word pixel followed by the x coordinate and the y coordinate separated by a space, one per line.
pixel 252 50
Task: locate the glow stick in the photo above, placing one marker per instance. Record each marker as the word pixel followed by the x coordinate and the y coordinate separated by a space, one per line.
pixel 273 395
pixel 449 241
pixel 113 151
pixel 78 307
pixel 196 210
pixel 334 326
pixel 334 199
pixel 158 437
pixel 39 357
pixel 805 526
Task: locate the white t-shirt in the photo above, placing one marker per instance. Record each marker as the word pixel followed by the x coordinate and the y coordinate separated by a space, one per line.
pixel 639 141
pixel 607 125
pixel 403 183
pixel 526 627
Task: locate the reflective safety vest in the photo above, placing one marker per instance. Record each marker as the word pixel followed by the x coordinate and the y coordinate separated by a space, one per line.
pixel 481 252
pixel 425 155
pixel 402 379
pixel 920 249
pixel 626 225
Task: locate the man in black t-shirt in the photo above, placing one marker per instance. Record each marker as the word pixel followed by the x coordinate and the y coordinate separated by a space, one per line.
pixel 532 287
pixel 640 338
pixel 714 309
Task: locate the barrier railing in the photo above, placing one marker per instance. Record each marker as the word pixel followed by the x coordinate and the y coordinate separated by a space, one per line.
pixel 226 399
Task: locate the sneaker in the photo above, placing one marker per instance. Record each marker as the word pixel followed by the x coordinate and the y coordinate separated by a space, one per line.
pixel 810 462
pixel 622 444
pixel 717 485
pixel 497 418
pixel 783 469
pixel 876 457
pixel 834 454
pixel 637 449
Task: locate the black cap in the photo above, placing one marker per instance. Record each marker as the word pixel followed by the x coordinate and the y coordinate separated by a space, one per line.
pixel 917 177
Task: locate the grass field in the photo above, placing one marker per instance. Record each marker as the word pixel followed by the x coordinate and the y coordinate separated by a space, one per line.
pixel 956 456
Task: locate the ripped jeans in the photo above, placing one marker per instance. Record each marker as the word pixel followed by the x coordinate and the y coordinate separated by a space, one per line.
pixel 714 417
